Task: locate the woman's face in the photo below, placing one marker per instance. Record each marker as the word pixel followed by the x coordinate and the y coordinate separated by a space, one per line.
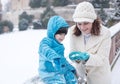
pixel 85 27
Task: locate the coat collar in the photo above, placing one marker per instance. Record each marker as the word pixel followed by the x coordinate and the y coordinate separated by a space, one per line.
pixel 92 41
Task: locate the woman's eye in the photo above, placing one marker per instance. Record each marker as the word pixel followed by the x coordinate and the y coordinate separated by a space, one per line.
pixel 79 23
pixel 86 23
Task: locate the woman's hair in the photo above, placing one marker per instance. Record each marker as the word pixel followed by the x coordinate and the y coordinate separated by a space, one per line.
pixel 62 30
pixel 95 28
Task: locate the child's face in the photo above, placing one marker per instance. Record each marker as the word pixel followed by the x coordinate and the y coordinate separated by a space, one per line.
pixel 60 37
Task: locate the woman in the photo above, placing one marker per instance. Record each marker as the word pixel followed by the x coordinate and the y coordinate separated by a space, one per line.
pixel 90 42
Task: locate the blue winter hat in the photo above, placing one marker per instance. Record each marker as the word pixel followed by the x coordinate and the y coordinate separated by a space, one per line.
pixel 62 30
pixel 54 24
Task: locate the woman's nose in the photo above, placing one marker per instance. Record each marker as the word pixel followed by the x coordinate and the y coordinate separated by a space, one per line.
pixel 82 26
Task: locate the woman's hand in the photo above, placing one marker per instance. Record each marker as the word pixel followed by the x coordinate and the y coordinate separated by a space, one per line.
pixel 76 56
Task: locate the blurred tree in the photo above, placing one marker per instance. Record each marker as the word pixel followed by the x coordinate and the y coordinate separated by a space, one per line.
pixel 23 24
pixel 114 16
pixel 100 3
pixel 6 26
pixel 44 3
pixel 24 15
pixel 117 10
pixel 110 22
pixel 34 3
pixel 37 24
pixel 38 3
pixel 46 15
pixel 102 14
pixel 60 2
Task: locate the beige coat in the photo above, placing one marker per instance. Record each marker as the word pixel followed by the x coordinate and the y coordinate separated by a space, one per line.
pixel 97 67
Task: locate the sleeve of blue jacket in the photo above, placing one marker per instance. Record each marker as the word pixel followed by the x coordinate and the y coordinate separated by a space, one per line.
pixel 46 50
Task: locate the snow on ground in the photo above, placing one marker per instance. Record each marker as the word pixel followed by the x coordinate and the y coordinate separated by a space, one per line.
pixel 19 56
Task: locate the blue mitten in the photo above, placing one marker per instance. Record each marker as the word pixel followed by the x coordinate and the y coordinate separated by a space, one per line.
pixel 70 78
pixel 66 66
pixel 79 56
pixel 63 65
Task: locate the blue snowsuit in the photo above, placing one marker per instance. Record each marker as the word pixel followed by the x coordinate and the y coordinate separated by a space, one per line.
pixel 53 67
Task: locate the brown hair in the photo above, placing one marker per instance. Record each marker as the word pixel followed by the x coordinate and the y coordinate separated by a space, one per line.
pixel 95 28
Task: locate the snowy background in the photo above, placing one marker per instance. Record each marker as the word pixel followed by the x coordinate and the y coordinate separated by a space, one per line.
pixel 19 56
